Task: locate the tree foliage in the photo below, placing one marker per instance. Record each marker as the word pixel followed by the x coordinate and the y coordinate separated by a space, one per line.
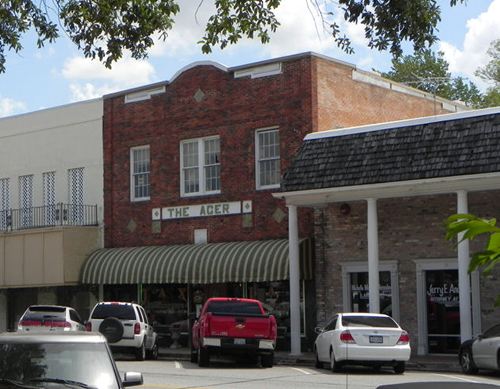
pixel 428 71
pixel 468 226
pixel 491 73
pixel 103 29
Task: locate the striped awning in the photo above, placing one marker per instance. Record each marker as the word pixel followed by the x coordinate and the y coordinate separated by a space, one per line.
pixel 254 261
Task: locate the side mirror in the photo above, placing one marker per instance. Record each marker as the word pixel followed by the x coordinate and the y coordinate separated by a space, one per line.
pixel 132 379
pixel 318 330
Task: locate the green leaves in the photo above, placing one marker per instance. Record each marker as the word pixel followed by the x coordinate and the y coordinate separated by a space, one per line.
pixel 235 19
pixel 468 226
pixel 103 29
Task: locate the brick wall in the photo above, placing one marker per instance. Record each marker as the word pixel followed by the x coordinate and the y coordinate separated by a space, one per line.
pixel 344 102
pixel 231 108
pixel 409 229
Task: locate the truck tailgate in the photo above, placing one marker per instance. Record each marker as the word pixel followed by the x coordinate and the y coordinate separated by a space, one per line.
pixel 240 326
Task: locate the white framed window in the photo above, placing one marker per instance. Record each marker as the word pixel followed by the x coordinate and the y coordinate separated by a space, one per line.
pixel 267 158
pixel 200 166
pixel 139 173
pixel 355 287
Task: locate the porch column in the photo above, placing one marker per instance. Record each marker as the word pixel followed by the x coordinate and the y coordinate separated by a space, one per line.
pixel 373 268
pixel 293 252
pixel 463 275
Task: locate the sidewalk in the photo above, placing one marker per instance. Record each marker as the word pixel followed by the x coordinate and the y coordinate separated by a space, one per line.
pixel 444 363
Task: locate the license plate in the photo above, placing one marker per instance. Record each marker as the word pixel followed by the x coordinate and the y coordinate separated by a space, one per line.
pixel 376 339
pixel 239 341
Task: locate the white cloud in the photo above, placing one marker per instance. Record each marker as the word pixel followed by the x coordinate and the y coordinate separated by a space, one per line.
pixel 125 72
pixel 11 107
pixel 480 32
pixel 91 79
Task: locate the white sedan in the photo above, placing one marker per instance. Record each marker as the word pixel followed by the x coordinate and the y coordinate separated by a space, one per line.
pixel 362 339
pixel 482 352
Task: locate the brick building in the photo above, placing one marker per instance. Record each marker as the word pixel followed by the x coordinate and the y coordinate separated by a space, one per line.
pixel 190 166
pixel 380 195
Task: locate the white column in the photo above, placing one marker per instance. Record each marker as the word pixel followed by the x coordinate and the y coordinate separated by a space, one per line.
pixel 293 252
pixel 463 275
pixel 373 268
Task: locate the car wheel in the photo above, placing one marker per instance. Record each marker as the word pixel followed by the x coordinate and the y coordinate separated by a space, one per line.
pixel 203 357
pixel 334 365
pixel 399 368
pixel 267 360
pixel 112 329
pixel 467 363
pixel 318 364
pixel 153 353
pixel 140 354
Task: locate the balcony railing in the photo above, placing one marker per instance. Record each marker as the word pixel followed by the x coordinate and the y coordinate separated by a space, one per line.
pixel 48 216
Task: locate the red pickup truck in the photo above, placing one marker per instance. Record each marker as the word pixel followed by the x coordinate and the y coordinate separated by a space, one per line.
pixel 233 326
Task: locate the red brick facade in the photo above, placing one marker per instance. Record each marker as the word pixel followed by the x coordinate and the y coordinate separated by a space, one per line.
pixel 310 94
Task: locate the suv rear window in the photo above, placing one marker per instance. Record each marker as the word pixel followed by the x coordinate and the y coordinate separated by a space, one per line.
pixel 238 307
pixel 120 311
pixel 368 321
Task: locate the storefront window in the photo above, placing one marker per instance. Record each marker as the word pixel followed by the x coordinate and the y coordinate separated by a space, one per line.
pixel 360 296
pixel 167 309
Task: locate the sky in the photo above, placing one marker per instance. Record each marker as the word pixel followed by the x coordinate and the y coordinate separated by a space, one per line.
pixel 59 74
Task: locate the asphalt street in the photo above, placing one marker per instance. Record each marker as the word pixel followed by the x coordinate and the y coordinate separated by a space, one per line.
pixel 225 374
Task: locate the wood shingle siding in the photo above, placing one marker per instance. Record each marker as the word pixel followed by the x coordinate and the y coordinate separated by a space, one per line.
pixel 455 147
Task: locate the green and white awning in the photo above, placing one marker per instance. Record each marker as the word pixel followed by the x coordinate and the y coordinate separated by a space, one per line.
pixel 254 261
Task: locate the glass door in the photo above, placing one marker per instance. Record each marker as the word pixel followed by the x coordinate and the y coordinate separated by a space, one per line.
pixel 443 311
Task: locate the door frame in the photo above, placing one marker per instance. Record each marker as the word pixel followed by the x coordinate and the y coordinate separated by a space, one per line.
pixel 422 265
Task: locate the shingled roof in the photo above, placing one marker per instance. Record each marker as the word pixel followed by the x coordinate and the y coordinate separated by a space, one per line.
pixel 434 147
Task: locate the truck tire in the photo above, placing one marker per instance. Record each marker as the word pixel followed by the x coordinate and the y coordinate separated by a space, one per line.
pixel 203 357
pixel 267 360
pixel 112 329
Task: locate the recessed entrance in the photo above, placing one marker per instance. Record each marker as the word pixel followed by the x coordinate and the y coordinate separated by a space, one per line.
pixel 443 311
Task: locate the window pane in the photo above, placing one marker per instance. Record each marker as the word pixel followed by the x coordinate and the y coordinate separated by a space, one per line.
pixel 141 171
pixel 190 154
pixel 191 180
pixel 212 176
pixel 269 158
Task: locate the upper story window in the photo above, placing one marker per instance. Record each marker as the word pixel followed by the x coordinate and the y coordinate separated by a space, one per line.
pixel 4 202
pixel 139 173
pixel 200 166
pixel 267 158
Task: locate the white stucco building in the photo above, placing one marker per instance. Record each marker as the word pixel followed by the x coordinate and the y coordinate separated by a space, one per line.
pixel 51 200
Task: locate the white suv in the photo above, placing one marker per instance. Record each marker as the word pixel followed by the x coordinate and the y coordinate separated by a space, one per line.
pixel 125 326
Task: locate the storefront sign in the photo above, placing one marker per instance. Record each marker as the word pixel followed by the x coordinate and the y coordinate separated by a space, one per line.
pixel 202 210
pixel 447 294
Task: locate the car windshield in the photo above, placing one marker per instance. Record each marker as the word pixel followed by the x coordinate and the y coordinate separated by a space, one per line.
pixel 120 311
pixel 30 364
pixel 43 315
pixel 368 321
pixel 240 307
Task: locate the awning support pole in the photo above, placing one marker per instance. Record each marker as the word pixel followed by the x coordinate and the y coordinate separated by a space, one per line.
pixel 463 275
pixel 373 266
pixel 293 252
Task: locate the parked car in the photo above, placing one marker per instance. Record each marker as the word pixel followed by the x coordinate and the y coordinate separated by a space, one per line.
pixel 126 328
pixel 234 326
pixel 481 352
pixel 362 339
pixel 42 318
pixel 59 359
